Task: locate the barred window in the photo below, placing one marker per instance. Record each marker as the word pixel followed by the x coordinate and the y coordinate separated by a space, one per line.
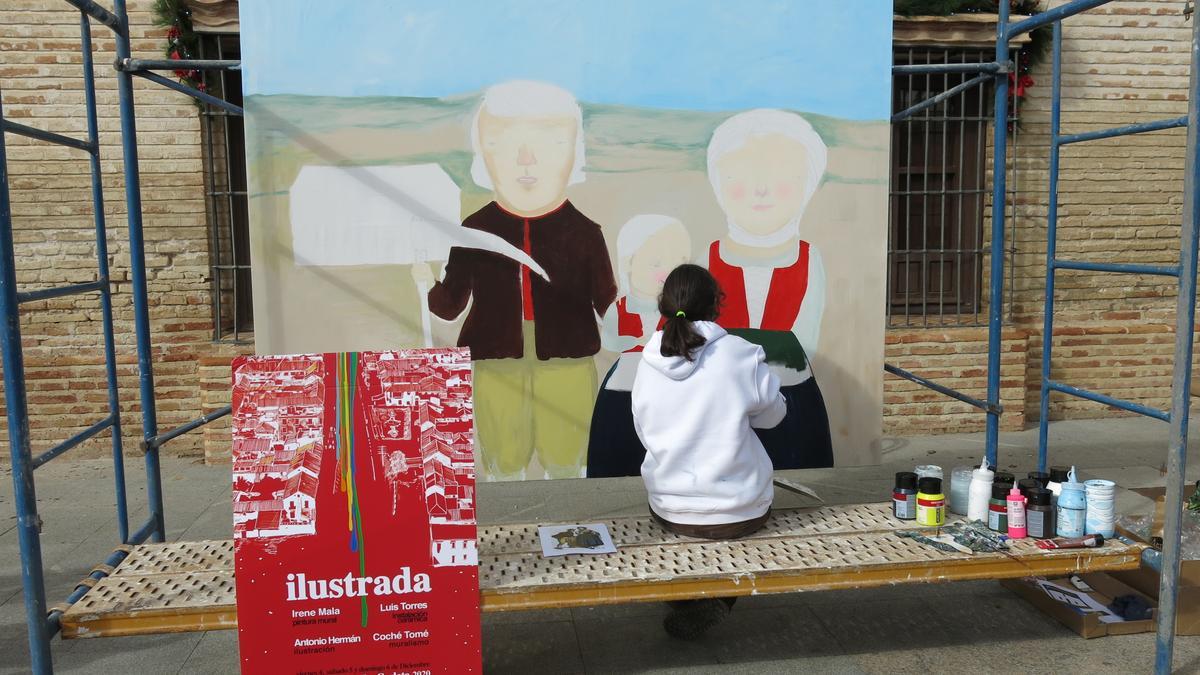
pixel 225 189
pixel 938 194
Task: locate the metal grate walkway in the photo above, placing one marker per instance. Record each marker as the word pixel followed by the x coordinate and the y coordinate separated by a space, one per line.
pixel 185 586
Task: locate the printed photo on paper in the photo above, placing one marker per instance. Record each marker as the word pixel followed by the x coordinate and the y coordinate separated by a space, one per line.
pixel 590 539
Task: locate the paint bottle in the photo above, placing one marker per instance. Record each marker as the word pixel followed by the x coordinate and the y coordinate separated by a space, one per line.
pixel 929 471
pixel 931 502
pixel 904 496
pixel 979 493
pixel 1016 513
pixel 1072 509
pixel 1039 514
pixel 1058 476
pixel 1101 515
pixel 1025 485
pixel 960 489
pixel 1041 477
pixel 998 508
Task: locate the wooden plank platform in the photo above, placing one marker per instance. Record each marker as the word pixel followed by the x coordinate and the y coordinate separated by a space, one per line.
pixel 188 586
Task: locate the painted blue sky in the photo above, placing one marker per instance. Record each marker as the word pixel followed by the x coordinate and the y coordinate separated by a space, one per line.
pixel 831 58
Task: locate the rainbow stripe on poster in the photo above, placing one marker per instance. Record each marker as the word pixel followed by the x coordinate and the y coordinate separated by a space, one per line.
pixel 347 376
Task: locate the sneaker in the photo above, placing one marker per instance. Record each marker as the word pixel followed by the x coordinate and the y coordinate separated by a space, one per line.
pixel 691 619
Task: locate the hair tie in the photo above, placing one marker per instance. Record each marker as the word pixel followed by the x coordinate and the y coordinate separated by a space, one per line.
pixel 680 314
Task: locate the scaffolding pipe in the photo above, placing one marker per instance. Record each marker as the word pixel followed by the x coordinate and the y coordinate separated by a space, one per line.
pixel 137 264
pixel 1119 268
pixel 190 91
pixel 60 291
pixel 1185 321
pixel 1051 242
pixel 1127 130
pixel 945 95
pixel 194 424
pixel 999 198
pixel 941 389
pixel 29 524
pixel 116 21
pixel 47 136
pixel 940 68
pixel 1045 18
pixel 137 65
pixel 72 442
pixel 110 354
pixel 1104 399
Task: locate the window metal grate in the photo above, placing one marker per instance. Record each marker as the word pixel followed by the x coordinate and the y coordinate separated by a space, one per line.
pixel 225 190
pixel 938 194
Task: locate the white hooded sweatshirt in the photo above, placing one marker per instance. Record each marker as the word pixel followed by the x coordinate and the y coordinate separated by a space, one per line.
pixel 704 465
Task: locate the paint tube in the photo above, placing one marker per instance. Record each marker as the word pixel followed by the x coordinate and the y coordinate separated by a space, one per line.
pixel 1086 541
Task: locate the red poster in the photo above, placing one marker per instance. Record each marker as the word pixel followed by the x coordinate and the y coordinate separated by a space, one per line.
pixel 354 513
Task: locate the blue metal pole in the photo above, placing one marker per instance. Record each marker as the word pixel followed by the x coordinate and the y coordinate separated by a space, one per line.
pixel 1051 242
pixel 137 264
pixel 190 91
pixel 944 96
pixel 1185 320
pixel 1050 15
pixel 1127 130
pixel 110 356
pixel 29 525
pixel 999 197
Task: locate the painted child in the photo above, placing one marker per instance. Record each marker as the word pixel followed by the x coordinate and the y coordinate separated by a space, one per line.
pixel 649 246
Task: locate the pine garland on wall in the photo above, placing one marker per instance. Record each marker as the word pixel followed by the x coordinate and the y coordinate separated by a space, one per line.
pixel 182 41
pixel 1032 55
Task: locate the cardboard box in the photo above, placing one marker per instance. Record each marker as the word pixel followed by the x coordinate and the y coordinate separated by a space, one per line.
pixel 1145 580
pixel 1187 614
pixel 1075 609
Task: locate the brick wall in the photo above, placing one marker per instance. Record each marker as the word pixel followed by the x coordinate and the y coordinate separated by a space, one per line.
pixel 1121 200
pixel 41 84
pixel 956 358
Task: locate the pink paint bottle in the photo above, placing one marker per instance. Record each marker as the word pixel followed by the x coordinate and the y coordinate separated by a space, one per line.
pixel 1016 514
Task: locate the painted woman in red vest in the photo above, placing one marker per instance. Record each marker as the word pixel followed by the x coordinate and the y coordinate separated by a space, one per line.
pixel 765 166
pixel 649 246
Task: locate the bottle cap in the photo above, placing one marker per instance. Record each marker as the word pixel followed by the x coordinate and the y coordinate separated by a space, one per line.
pixel 906 480
pixel 983 473
pixel 1027 485
pixel 1015 494
pixel 1041 477
pixel 1004 477
pixel 1000 490
pixel 1039 497
pixel 1058 474
pixel 930 485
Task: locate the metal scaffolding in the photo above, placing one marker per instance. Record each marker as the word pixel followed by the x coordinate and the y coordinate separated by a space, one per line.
pixel 43 622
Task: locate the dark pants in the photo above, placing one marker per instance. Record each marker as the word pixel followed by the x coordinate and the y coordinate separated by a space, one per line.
pixel 718 532
pixel 722 531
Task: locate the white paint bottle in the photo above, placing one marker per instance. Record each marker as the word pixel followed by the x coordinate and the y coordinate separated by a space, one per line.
pixel 980 492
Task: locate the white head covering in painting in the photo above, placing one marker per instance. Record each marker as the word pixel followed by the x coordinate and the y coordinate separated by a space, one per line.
pixel 525 98
pixel 733 134
pixel 636 231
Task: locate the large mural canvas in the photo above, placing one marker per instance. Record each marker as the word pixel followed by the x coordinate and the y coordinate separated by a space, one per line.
pixel 517 177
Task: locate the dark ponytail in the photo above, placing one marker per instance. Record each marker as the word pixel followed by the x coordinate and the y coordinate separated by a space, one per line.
pixel 689 294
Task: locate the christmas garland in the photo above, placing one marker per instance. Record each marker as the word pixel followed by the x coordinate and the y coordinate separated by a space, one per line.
pixel 182 41
pixel 1039 40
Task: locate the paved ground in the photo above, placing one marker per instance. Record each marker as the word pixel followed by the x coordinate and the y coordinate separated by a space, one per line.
pixel 968 627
